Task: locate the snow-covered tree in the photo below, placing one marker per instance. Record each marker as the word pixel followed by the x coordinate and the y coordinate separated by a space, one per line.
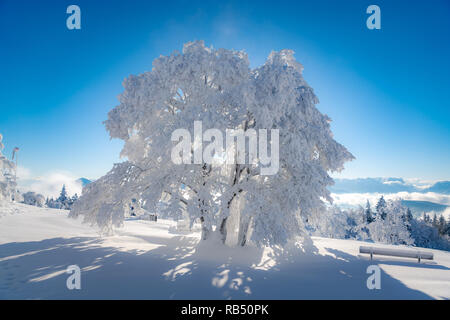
pixel 442 225
pixel 409 219
pixel 398 226
pixel 63 194
pixel 7 172
pixel 425 235
pixel 368 213
pixel 64 201
pixel 218 88
pixel 390 225
pixel 448 227
pixel 381 208
pixel 434 222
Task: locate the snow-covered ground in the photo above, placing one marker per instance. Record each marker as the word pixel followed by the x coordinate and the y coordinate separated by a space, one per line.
pixel 151 260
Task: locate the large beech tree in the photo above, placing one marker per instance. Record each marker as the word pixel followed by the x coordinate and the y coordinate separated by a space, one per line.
pixel 218 88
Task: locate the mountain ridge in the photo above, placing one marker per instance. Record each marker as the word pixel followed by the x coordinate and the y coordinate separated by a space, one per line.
pixel 385 185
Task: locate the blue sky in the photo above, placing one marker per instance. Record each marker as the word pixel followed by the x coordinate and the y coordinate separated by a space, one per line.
pixel 386 90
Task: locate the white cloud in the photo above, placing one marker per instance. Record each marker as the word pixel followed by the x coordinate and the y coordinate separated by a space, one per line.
pixel 429 196
pixel 49 184
pixel 420 183
pixel 393 182
pixel 23 173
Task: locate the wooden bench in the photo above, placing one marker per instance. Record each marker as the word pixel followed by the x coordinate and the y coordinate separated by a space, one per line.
pixel 403 253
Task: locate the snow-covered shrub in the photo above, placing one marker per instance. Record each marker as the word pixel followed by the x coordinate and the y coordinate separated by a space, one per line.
pixel 219 88
pixel 339 223
pixel 33 199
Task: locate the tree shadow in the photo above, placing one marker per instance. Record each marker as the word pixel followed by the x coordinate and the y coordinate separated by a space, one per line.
pixel 181 268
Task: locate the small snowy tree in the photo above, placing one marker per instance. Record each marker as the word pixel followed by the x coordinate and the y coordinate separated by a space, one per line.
pixel 442 225
pixel 381 208
pixel 368 213
pixel 63 194
pixel 64 201
pixel 434 222
pixel 393 228
pixel 219 88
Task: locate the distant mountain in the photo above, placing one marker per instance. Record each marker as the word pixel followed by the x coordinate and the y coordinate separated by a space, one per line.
pixel 439 187
pixel 385 186
pixel 372 185
pixel 84 181
pixel 419 207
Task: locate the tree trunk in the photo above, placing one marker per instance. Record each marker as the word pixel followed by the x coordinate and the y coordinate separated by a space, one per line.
pixel 223 230
pixel 205 229
pixel 244 226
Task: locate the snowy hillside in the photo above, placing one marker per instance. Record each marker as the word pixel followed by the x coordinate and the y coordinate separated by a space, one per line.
pixel 151 260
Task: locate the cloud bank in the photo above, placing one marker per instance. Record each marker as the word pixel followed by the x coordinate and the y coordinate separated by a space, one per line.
pixel 49 184
pixel 355 199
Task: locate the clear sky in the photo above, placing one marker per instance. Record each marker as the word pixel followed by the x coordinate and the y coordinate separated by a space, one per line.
pixel 386 90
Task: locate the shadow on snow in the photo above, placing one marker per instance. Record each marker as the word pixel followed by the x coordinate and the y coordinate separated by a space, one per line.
pixel 180 268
